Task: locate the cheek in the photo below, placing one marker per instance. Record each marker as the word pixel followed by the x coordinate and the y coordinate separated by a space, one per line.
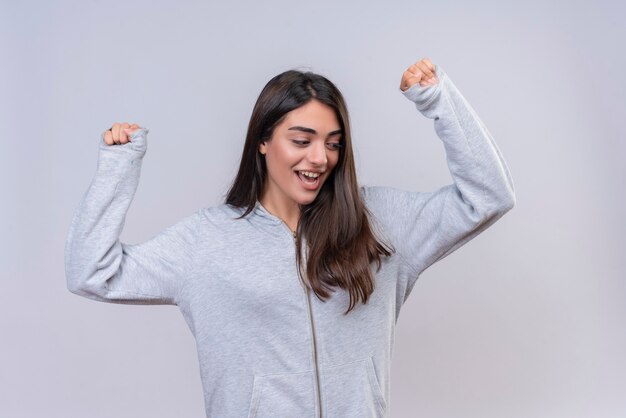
pixel 283 157
pixel 274 160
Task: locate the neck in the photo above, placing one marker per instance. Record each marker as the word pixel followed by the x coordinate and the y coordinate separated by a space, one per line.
pixel 289 214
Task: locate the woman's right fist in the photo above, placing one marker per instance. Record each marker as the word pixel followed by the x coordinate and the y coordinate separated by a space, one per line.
pixel 119 133
pixel 422 72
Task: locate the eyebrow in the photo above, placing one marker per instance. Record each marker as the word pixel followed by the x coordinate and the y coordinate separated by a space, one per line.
pixel 313 131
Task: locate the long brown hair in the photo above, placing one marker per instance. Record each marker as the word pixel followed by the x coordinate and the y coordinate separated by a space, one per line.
pixel 340 244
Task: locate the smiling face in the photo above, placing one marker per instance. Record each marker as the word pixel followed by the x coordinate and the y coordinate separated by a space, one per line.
pixel 300 156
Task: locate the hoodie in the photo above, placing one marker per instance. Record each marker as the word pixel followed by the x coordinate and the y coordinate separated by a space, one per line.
pixel 267 346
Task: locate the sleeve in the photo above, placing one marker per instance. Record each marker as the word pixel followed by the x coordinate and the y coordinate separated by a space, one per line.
pixel 100 267
pixel 425 227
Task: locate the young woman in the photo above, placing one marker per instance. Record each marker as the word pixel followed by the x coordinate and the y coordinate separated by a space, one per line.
pixel 292 287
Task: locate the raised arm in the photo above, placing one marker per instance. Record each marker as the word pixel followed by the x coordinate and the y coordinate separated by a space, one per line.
pixel 100 267
pixel 425 227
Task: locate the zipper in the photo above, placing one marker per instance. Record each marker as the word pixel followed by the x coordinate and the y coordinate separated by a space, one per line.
pixel 317 378
pixel 310 312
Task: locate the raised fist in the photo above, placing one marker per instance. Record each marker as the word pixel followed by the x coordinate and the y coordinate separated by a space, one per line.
pixel 119 133
pixel 423 72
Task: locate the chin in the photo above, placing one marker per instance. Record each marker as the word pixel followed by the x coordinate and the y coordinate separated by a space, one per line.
pixel 307 200
pixel 304 202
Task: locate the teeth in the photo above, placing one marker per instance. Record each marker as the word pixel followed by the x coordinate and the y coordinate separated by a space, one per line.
pixel 310 174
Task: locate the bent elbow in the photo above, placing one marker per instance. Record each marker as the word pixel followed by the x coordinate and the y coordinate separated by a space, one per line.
pixel 500 205
pixel 76 288
pixel 88 289
pixel 77 285
pixel 83 276
pixel 507 202
pixel 82 282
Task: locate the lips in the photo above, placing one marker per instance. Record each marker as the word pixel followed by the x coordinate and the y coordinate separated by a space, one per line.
pixel 308 179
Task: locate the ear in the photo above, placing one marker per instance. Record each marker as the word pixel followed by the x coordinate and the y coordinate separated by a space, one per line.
pixel 263 148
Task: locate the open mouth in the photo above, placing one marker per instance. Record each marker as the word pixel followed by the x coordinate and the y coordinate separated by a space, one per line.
pixel 309 179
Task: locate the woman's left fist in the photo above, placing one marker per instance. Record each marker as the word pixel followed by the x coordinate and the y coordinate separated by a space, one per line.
pixel 423 72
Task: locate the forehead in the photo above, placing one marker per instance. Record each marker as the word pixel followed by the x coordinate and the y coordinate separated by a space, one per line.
pixel 313 114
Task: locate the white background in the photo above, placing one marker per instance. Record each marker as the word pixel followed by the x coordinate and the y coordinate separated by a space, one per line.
pixel 527 320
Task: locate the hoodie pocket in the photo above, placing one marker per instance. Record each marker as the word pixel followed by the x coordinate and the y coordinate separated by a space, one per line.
pixel 352 390
pixel 283 395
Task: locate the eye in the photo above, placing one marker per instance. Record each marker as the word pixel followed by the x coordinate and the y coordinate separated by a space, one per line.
pixel 334 145
pixel 300 142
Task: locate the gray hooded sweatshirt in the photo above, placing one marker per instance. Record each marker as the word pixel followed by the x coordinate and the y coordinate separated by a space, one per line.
pixel 267 346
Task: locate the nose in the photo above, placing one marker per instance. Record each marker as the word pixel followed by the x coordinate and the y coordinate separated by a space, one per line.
pixel 317 154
